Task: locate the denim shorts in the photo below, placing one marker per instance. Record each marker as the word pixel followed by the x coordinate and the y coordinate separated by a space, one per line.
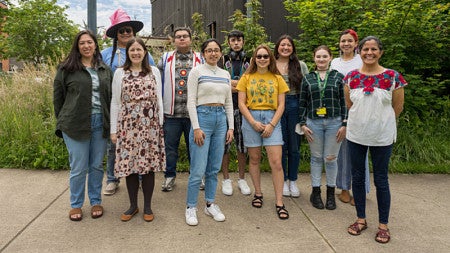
pixel 253 138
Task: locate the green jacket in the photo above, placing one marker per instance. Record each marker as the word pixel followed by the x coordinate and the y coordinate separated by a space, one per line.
pixel 72 101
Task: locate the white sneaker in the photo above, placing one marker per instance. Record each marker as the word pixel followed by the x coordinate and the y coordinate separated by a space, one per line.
pixel 243 186
pixel 111 188
pixel 168 184
pixel 191 216
pixel 202 184
pixel 227 187
pixel 295 192
pixel 286 191
pixel 214 211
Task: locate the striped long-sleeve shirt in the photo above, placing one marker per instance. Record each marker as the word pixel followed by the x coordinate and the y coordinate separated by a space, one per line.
pixel 207 84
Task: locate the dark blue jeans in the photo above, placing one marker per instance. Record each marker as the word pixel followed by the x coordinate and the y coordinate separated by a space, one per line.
pixel 111 150
pixel 380 162
pixel 291 148
pixel 173 129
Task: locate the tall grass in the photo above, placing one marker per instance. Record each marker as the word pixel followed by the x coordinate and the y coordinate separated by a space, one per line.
pixel 422 146
pixel 27 121
pixel 27 138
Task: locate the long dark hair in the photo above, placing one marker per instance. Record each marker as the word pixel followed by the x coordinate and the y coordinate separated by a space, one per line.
pixel 272 65
pixel 146 69
pixel 113 52
pixel 72 62
pixel 294 68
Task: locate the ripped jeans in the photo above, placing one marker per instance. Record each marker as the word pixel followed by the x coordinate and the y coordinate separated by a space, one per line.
pixel 324 149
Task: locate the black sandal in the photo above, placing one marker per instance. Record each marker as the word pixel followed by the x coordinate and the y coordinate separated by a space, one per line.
pixel 283 214
pixel 257 201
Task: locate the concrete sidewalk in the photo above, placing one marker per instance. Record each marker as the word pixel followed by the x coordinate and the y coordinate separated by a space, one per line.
pixel 34 208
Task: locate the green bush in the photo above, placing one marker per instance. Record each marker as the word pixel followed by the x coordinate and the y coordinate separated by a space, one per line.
pixel 423 138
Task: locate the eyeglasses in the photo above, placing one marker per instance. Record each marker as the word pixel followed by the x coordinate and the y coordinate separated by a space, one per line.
pixel 125 30
pixel 210 51
pixel 185 36
pixel 265 56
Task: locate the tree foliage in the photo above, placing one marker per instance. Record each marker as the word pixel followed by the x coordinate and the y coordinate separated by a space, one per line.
pixel 255 34
pixel 416 43
pixel 198 33
pixel 38 31
pixel 415 32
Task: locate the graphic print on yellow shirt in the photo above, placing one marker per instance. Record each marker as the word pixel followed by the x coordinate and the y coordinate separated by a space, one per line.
pixel 262 90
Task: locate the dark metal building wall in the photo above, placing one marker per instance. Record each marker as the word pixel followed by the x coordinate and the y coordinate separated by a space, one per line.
pixel 169 14
pixel 274 20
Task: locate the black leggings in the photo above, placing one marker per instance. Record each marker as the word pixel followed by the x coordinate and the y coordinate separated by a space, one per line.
pixel 148 184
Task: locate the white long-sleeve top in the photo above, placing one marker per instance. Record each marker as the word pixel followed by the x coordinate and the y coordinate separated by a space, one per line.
pixel 206 85
pixel 116 100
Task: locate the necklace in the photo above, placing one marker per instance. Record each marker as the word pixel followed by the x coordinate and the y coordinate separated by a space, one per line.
pixel 283 68
pixel 212 68
pixel 322 74
pixel 322 85
pixel 135 69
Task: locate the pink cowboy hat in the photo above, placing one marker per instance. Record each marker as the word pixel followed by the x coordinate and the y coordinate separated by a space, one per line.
pixel 119 19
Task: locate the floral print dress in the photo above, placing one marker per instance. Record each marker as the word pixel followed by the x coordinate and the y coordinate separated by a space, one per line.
pixel 140 140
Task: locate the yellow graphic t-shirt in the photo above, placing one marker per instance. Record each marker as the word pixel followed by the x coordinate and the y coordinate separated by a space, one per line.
pixel 262 90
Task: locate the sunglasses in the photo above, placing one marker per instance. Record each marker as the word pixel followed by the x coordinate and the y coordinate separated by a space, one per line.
pixel 125 30
pixel 265 56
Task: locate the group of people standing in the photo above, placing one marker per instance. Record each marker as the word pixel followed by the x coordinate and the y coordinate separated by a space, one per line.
pixel 119 101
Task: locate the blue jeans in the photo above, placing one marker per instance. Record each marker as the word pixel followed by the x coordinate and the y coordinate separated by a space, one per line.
pixel 111 149
pixel 380 162
pixel 344 175
pixel 291 148
pixel 207 159
pixel 86 158
pixel 324 149
pixel 173 129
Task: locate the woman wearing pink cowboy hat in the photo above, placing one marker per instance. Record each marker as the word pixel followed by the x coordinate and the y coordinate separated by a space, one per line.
pixel 122 29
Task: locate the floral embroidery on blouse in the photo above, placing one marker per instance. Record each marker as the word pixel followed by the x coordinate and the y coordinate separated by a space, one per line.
pixel 369 82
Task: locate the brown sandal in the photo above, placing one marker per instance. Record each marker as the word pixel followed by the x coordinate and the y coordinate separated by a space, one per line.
pixel 94 211
pixel 149 217
pixel 75 211
pixel 383 235
pixel 357 228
